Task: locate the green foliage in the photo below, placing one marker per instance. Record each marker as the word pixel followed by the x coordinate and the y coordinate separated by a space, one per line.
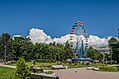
pixel 5 47
pixel 94 54
pixel 23 47
pixel 117 67
pixel 22 70
pixel 43 60
pixel 108 68
pixel 5 38
pixel 114 47
pixel 34 62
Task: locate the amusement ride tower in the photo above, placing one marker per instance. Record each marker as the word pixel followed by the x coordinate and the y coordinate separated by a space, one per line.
pixel 79 42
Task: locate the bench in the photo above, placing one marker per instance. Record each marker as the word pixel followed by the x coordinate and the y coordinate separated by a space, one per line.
pixel 92 68
pixel 59 67
pixel 36 70
pixel 43 76
pixel 96 69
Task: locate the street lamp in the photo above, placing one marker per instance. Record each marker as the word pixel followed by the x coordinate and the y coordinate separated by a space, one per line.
pixel 118 33
pixel 103 58
pixel 111 55
pixel 5 50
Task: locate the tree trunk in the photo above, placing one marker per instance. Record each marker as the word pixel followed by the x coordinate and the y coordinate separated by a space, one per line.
pixel 4 62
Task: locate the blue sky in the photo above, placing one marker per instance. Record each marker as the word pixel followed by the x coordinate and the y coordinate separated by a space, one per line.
pixel 56 17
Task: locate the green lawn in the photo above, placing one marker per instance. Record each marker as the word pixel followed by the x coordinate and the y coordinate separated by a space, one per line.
pixel 6 73
pixel 83 65
pixel 48 66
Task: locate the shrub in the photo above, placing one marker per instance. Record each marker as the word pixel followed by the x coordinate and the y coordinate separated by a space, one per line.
pixel 49 72
pixel 34 62
pixel 108 68
pixel 22 70
pixel 117 67
pixel 43 60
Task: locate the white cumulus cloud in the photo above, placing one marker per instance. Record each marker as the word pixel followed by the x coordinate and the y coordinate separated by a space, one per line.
pixel 96 41
pixel 38 35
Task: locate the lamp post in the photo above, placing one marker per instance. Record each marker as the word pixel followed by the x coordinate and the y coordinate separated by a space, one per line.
pixel 103 59
pixel 111 55
pixel 118 33
pixel 5 54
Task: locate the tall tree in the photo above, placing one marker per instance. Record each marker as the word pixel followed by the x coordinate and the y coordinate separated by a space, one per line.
pixel 114 47
pixel 5 43
pixel 17 43
pixel 93 53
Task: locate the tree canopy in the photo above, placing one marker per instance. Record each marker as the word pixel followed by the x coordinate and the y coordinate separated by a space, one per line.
pixel 94 54
pixel 22 47
pixel 114 48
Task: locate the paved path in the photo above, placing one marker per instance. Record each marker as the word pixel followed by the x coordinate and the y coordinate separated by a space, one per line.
pixel 1 64
pixel 83 73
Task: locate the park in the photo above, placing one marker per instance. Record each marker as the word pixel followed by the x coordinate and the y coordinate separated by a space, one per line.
pixel 72 60
pixel 59 39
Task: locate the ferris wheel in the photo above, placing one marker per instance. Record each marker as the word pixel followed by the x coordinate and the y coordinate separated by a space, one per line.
pixel 79 41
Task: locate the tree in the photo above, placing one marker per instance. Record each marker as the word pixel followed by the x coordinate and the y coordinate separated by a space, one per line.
pixel 68 51
pixel 5 43
pixel 93 53
pixel 22 47
pixel 113 44
pixel 27 50
pixel 1 50
pixel 17 42
pixel 22 70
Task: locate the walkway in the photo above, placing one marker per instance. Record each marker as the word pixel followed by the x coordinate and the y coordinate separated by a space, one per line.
pixel 1 64
pixel 80 73
pixel 83 73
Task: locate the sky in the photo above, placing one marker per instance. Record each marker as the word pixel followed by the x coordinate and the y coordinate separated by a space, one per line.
pixel 56 17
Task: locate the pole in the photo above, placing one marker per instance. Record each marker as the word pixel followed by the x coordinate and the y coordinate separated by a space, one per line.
pixel 5 55
pixel 103 58
pixel 111 56
pixel 118 33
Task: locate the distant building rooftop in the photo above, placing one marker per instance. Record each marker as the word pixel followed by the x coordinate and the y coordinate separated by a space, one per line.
pixel 103 50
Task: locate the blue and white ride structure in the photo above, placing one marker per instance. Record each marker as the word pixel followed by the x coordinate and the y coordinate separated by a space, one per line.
pixel 79 42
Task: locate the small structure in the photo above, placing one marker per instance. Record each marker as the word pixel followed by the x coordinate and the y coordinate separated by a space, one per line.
pixel 103 50
pixel 43 76
pixel 36 70
pixel 59 67
pixel 82 54
pixel 92 68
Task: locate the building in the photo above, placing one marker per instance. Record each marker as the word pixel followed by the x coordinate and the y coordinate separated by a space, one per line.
pixel 103 50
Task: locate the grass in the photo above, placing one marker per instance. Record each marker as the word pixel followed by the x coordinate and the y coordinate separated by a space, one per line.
pixel 48 66
pixel 6 73
pixel 109 68
pixel 78 65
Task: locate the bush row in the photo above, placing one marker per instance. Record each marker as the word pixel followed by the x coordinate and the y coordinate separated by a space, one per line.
pixel 109 68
